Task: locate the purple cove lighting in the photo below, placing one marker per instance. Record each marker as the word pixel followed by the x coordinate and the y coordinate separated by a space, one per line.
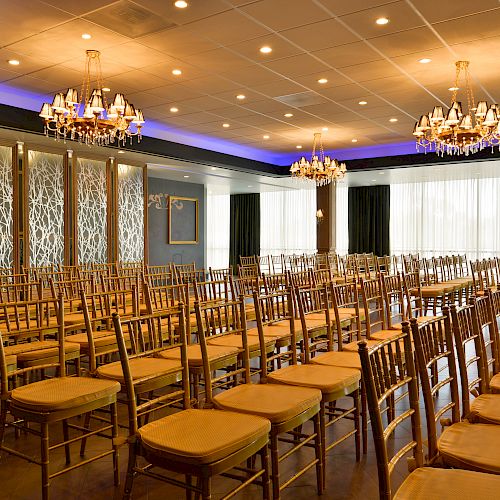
pixel 26 99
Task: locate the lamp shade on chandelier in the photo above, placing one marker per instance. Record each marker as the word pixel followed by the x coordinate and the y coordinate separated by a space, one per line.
pixel 462 129
pixel 320 169
pixel 88 117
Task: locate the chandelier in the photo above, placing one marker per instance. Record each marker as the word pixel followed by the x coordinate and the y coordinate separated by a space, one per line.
pixel 459 130
pixel 321 169
pixel 88 118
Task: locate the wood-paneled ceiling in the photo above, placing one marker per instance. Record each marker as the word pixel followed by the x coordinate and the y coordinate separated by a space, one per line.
pixel 215 43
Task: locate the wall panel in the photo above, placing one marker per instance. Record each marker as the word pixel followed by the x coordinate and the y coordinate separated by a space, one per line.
pixel 6 202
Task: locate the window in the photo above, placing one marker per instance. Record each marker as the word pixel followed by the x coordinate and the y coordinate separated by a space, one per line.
pixel 288 222
pixel 218 231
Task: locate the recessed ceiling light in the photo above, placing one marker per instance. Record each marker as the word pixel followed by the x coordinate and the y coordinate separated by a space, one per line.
pixel 121 152
pixel 186 177
pixel 325 129
pixel 226 125
pixel 250 186
pixel 354 140
pixel 13 62
pixel 425 60
pixel 265 137
pixel 362 103
pixel 381 173
pixel 176 72
pixel 322 80
pixel 288 115
pixel 374 180
pixel 298 146
pixel 86 36
pixel 452 89
pixel 106 89
pixel 382 20
pixel 181 4
pixel 174 110
pixel 213 168
pixel 393 120
pixel 241 97
pixel 266 49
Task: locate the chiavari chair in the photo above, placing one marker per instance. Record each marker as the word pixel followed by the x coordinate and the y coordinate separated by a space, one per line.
pixel 219 274
pixel 272 283
pixel 461 445
pixel 414 300
pixel 248 261
pixel 197 443
pixel 159 278
pixel 246 287
pixel 286 407
pixel 434 293
pixel 160 269
pixel 265 265
pixel 389 369
pixel 20 291
pixel 277 263
pixel 248 271
pixel 53 400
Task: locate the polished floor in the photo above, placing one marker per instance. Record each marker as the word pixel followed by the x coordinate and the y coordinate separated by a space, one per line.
pixel 346 478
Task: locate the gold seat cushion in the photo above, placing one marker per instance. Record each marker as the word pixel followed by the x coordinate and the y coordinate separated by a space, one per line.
pixel 278 403
pixel 420 321
pixel 235 340
pixel 485 409
pixel 74 318
pixel 344 359
pixel 63 393
pixel 202 436
pixel 471 446
pixel 72 351
pixel 495 383
pixel 26 347
pixel 101 338
pixel 215 354
pixel 382 335
pixel 272 331
pixel 11 362
pixel 353 346
pixel 143 369
pixel 436 290
pixel 428 483
pixel 331 380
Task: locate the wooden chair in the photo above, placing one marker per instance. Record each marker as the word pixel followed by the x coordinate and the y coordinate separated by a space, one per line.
pixel 286 407
pixel 461 445
pixel 388 369
pixel 192 442
pixel 219 274
pixel 55 400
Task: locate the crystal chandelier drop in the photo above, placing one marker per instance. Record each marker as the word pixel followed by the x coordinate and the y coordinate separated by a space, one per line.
pixel 459 130
pixel 321 169
pixel 89 118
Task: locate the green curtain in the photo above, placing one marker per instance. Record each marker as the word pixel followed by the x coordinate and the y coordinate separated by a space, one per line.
pixel 244 230
pixel 368 219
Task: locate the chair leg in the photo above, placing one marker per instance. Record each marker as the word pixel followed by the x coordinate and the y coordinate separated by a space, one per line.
pixel 275 471
pixel 322 426
pixel 66 438
pixel 320 466
pixel 132 458
pixel 86 424
pixel 266 477
pixel 364 418
pixel 45 460
pixel 3 420
pixel 206 493
pixel 356 425
pixel 114 435
pixel 189 482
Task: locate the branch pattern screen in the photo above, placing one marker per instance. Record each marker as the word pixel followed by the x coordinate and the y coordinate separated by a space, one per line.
pixel 92 211
pixel 130 213
pixel 46 208
pixel 6 194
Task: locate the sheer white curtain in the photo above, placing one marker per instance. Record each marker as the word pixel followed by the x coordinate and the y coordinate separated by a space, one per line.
pixel 218 230
pixel 288 222
pixel 442 217
pixel 341 216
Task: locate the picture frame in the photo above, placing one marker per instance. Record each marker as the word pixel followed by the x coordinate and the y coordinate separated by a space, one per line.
pixel 182 220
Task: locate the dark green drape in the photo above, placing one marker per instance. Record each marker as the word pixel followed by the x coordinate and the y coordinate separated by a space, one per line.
pixel 369 212
pixel 244 226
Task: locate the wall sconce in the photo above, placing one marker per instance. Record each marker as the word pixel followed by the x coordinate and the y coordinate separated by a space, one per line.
pixel 319 216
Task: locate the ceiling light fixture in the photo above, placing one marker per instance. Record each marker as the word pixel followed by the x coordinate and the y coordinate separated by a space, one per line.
pixel 174 110
pixel 452 89
pixel 459 130
pixel 87 117
pixel 362 103
pixel 241 97
pixel 288 115
pixel 425 60
pixel 265 137
pixel 186 177
pixel 226 125
pixel 320 169
pixel 322 80
pixel 121 152
pixel 354 140
pixel 393 120
pixel 176 72
pixel 181 4
pixel 266 49
pixel 298 146
pixel 382 20
pixel 106 89
pixel 325 129
pixel 14 62
pixel 86 36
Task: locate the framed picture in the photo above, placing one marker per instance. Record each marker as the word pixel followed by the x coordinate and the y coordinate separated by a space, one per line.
pixel 182 220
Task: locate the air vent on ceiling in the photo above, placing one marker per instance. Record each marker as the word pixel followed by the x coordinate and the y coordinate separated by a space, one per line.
pixel 301 99
pixel 129 19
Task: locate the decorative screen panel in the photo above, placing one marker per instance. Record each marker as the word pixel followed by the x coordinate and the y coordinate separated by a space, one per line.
pixel 92 211
pixel 46 208
pixel 130 213
pixel 6 228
